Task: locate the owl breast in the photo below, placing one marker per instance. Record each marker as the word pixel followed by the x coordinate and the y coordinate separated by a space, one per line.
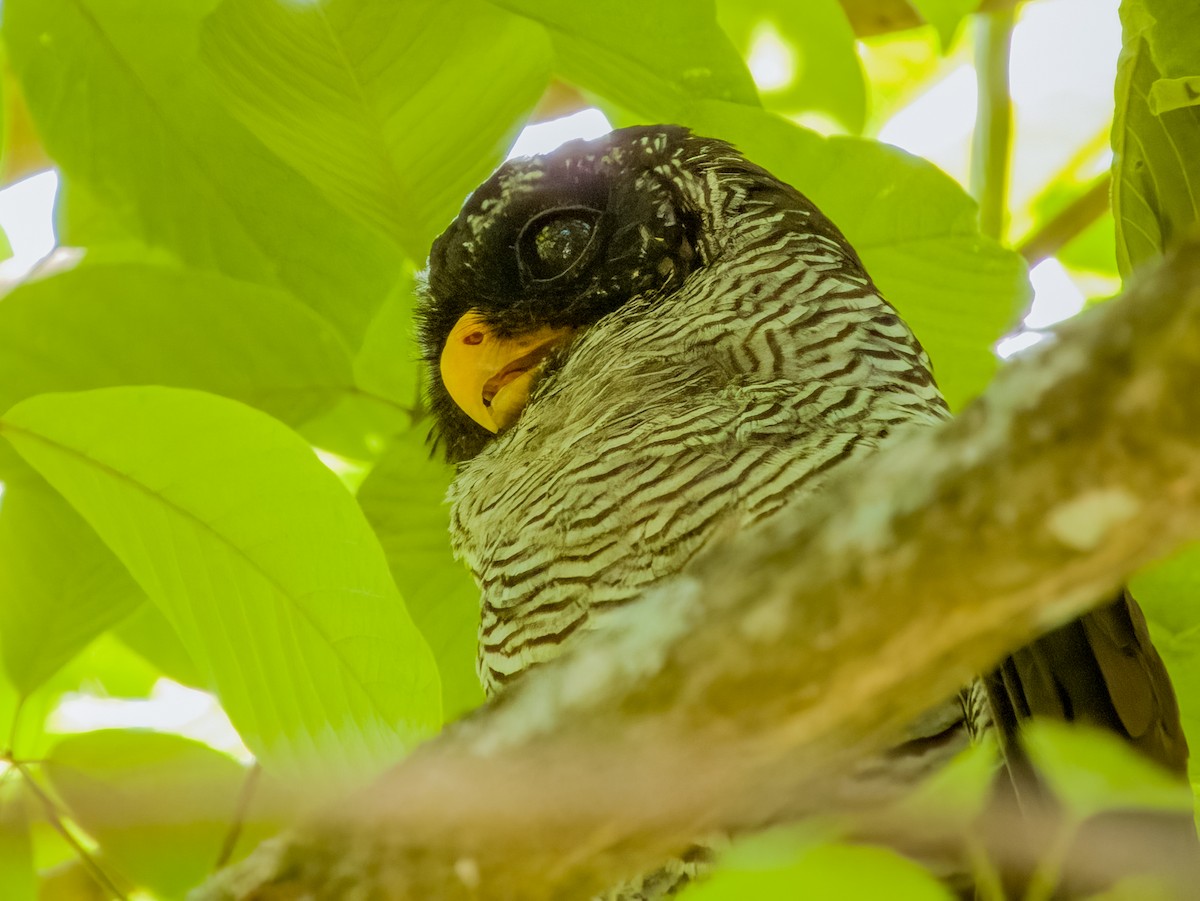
pixel 670 423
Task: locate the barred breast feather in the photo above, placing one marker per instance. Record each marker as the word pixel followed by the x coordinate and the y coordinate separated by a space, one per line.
pixel 668 423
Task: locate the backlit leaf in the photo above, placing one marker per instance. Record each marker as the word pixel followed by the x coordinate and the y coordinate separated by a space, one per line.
pixel 1156 185
pixel 60 586
pixel 811 42
pixel 140 324
pixel 654 58
pixel 125 106
pixel 378 102
pixel 260 559
pixel 404 500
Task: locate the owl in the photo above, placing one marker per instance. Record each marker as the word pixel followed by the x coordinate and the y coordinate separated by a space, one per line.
pixel 640 343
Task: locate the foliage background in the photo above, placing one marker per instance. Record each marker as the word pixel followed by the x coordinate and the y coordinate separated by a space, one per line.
pixel 248 187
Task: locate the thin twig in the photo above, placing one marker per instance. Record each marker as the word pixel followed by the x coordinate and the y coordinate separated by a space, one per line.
pixel 55 817
pixel 240 813
pixel 1069 222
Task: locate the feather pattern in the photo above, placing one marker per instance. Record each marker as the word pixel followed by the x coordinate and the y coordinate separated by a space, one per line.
pixel 752 401
pixel 731 352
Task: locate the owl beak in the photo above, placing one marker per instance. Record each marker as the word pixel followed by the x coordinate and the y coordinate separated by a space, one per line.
pixel 490 377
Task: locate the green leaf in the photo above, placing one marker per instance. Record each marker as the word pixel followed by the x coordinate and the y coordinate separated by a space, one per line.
pixel 260 559
pixel 1167 595
pixel 961 789
pixel 773 867
pixel 945 16
pixel 654 58
pixel 379 103
pixel 914 227
pixel 18 881
pixel 826 72
pixel 60 586
pixel 404 499
pixel 158 805
pixel 1170 27
pixel 124 105
pixel 81 219
pixel 148 633
pixel 388 364
pixel 1092 770
pixel 107 668
pixel 1168 94
pixel 1170 591
pixel 1156 188
pixel 22 719
pixel 359 427
pixel 129 324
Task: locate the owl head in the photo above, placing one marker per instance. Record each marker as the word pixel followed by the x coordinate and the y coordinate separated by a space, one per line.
pixel 551 244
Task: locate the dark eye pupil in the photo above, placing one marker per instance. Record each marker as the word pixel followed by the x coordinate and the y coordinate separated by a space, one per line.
pixel 560 243
pixel 553 245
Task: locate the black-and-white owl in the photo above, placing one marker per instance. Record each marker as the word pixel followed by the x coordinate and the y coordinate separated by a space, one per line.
pixel 639 343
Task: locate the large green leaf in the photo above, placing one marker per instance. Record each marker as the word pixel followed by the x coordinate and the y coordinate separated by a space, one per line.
pixel 125 106
pixel 133 324
pixel 106 669
pixel 159 805
pixel 654 58
pixel 260 559
pixel 395 110
pixel 826 72
pixel 1180 652
pixel 915 228
pixel 1092 770
pixel 404 499
pixel 388 371
pixel 1169 592
pixel 1172 36
pixel 150 635
pixel 1156 137
pixel 388 365
pixel 60 586
pixel 81 219
pixel 779 867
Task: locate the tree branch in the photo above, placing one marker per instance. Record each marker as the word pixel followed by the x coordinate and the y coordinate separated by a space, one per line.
pixel 1070 222
pixel 753 687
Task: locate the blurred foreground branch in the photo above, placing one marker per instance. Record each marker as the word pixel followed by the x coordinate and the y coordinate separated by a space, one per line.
pixel 756 684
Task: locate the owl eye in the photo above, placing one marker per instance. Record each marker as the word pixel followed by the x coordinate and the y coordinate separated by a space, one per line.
pixel 553 243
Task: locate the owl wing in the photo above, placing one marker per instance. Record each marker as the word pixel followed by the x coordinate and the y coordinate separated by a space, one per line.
pixel 1100 669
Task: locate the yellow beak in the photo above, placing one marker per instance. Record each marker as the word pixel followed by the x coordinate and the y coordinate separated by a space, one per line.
pixel 489 377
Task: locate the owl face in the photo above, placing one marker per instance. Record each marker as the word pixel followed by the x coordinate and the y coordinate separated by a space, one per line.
pixel 545 248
